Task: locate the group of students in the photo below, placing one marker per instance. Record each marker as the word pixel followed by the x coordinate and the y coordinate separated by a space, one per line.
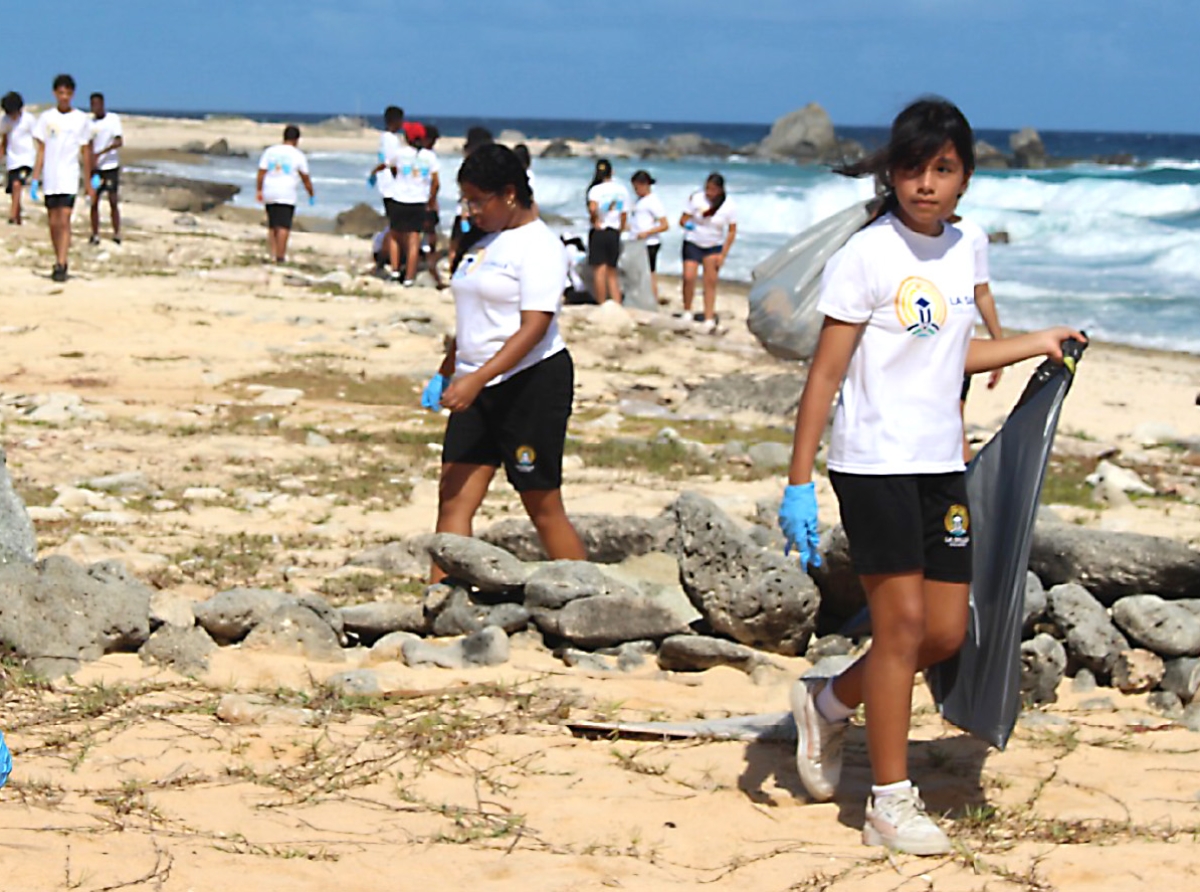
pixel 54 153
pixel 900 306
pixel 709 221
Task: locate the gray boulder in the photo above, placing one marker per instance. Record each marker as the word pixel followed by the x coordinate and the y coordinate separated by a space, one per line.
pixel 296 630
pixel 453 612
pixel 487 647
pixel 512 618
pixel 608 620
pixel 1092 639
pixel 558 148
pixel 361 220
pixel 988 157
pixel 1161 626
pixel 1027 148
pixel 753 596
pixel 1035 602
pixel 56 614
pixel 607 539
pixel 1182 678
pixel 556 584
pixel 355 683
pixel 409 557
pixel 186 650
pixel 803 135
pixel 370 622
pixel 1043 664
pixel 1111 564
pixel 18 543
pixel 229 616
pixel 486 567
pixel 777 395
pixel 695 653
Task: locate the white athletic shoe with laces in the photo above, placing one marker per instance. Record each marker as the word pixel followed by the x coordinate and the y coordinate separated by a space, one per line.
pixel 899 822
pixel 818 741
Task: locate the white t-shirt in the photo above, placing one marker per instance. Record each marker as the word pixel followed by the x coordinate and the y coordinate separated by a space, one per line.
pixel 21 152
pixel 979 244
pixel 388 144
pixel 62 134
pixel 104 131
pixel 283 164
pixel 611 200
pixel 709 232
pixel 898 412
pixel 504 273
pixel 646 214
pixel 414 173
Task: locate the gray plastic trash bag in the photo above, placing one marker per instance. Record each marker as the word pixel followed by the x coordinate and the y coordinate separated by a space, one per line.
pixel 783 297
pixel 633 270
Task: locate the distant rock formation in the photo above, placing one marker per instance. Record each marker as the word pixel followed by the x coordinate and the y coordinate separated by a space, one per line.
pixel 803 135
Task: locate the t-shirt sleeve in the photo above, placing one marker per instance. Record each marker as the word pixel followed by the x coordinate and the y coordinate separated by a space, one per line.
pixel 263 163
pixel 434 165
pixel 591 194
pixel 542 275
pixel 301 162
pixel 39 130
pixel 730 213
pixel 981 258
pixel 117 131
pixel 846 292
pixel 657 208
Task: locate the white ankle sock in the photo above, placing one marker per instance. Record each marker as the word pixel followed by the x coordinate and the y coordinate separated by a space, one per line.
pixel 831 708
pixel 882 791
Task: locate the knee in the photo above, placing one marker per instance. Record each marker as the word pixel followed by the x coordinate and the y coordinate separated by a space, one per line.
pixel 902 632
pixel 943 642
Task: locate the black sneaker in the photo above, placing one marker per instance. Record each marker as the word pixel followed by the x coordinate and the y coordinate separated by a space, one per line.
pixel 60 273
pixel 94 240
pixel 116 240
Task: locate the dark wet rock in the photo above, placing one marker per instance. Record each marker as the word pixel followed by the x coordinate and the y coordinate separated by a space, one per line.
pixel 372 621
pixel 18 542
pixel 558 148
pixel 482 565
pixel 695 653
pixel 1091 638
pixel 1043 663
pixel 607 539
pixel 556 584
pixel 186 650
pixel 988 157
pixel 292 629
pixel 753 596
pixel 1161 626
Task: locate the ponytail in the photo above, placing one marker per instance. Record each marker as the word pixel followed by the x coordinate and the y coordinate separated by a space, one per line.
pixel 715 179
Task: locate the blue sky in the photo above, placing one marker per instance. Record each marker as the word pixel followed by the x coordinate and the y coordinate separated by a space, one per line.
pixel 1052 64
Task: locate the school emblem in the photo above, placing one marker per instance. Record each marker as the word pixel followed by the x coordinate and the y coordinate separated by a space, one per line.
pixel 958 524
pixel 526 457
pixel 920 307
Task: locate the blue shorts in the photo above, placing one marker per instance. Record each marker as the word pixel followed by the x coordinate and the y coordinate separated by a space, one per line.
pixel 696 254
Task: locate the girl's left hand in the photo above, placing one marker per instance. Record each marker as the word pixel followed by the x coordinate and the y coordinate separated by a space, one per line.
pixel 1055 337
pixel 462 392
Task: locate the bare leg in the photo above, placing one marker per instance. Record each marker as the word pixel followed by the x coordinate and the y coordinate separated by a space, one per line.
pixel 116 214
pixel 917 623
pixel 600 283
pixel 281 241
pixel 460 493
pixel 95 215
pixel 60 233
pixel 710 287
pixel 614 283
pixel 558 536
pixel 689 283
pixel 15 213
pixel 393 249
pixel 412 251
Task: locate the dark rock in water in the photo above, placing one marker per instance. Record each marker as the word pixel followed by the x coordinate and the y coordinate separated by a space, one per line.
pixel 988 157
pixel 1161 626
pixel 558 148
pixel 773 395
pixel 370 622
pixel 55 614
pixel 1092 639
pixel 361 220
pixel 695 653
pixel 1028 151
pixel 556 584
pixel 753 596
pixel 803 135
pixel 186 650
pixel 608 539
pixel 488 568
pixel 221 149
pixel 1043 663
pixel 18 543
pixel 693 144
pixel 999 237
pixel 608 620
pixel 1111 565
pixel 293 629
pixel 179 194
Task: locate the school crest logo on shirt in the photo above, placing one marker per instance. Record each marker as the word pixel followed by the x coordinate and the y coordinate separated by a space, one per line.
pixel 920 307
pixel 470 263
pixel 958 525
pixel 526 457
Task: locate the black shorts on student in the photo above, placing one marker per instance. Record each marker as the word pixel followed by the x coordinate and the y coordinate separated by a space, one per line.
pixel 405 216
pixel 110 181
pixel 279 216
pixel 520 423
pixel 696 254
pixel 60 200
pixel 20 175
pixel 604 247
pixel 900 523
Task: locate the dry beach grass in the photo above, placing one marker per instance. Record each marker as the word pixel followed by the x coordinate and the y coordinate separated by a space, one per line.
pixel 171 352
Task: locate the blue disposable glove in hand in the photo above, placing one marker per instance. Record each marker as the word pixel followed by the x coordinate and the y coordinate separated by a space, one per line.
pixel 312 200
pixel 5 761
pixel 35 190
pixel 95 181
pixel 431 398
pixel 372 180
pixel 798 520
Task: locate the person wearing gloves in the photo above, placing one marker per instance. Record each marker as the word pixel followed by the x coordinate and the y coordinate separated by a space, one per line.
pixel 106 141
pixel 507 377
pixel 278 170
pixel 898 300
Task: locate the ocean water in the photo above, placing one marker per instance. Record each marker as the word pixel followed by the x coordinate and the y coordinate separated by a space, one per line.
pixel 1114 250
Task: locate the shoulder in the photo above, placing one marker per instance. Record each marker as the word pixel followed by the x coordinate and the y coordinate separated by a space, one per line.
pixel 972 232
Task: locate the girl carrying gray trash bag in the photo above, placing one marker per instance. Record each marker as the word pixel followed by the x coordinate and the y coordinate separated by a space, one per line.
pixel 897 337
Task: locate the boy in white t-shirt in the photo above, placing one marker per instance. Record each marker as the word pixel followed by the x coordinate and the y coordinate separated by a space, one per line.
pixel 106 140
pixel 279 168
pixel 16 142
pixel 60 137
pixel 381 178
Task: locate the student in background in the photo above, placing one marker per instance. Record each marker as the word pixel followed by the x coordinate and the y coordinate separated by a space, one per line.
pixel 279 169
pixel 649 219
pixel 16 142
pixel 414 187
pixel 429 244
pixel 106 141
pixel 464 233
pixel 60 139
pixel 710 226
pixel 606 203
pixel 381 178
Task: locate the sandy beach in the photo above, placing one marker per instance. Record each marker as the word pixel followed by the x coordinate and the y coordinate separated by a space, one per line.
pixel 273 414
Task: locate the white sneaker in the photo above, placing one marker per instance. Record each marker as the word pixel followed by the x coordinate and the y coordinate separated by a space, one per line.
pixel 899 822
pixel 818 741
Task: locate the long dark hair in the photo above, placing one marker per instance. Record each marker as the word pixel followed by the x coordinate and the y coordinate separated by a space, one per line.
pixel 715 179
pixel 918 133
pixel 603 172
pixel 493 168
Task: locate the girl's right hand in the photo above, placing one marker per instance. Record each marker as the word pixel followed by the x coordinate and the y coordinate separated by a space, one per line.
pixel 798 521
pixel 1054 338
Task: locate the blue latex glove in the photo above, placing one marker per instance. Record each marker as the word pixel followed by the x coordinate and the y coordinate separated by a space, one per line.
pixel 798 520
pixel 95 181
pixel 312 200
pixel 372 180
pixel 5 761
pixel 35 190
pixel 431 397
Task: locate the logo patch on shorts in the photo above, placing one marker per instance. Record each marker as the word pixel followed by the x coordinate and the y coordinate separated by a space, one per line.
pixel 958 524
pixel 526 457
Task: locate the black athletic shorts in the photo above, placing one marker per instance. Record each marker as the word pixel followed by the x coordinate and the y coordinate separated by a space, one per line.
pixel 898 523
pixel 604 247
pixel 18 175
pixel 697 254
pixel 405 216
pixel 60 200
pixel 110 181
pixel 279 216
pixel 652 253
pixel 520 423
pixel 966 387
